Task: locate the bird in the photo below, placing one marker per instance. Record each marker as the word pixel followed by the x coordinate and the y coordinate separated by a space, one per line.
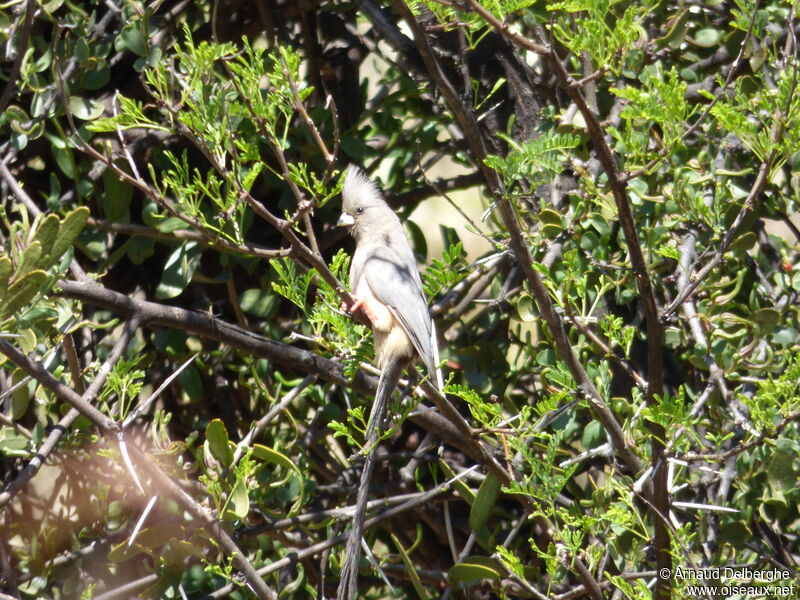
pixel 387 289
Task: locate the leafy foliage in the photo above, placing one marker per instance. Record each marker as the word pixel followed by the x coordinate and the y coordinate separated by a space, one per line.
pixel 622 345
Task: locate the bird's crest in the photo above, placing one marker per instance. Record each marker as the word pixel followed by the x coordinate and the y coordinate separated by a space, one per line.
pixel 358 189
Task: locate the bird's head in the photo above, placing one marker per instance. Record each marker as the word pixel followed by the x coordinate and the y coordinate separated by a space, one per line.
pixel 363 207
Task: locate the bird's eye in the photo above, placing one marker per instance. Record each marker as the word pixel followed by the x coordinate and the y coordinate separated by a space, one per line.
pixel 359 211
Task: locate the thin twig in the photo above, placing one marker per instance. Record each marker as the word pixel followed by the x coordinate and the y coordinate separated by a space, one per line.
pixel 67 420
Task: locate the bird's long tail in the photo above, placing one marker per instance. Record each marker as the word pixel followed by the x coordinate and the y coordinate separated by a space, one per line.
pixel 348 583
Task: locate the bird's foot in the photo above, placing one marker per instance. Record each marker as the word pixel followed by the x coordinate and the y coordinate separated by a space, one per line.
pixel 361 303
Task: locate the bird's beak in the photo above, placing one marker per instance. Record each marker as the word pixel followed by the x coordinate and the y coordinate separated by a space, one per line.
pixel 346 220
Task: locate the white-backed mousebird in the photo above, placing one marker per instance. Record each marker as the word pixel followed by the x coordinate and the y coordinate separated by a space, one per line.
pixel 387 288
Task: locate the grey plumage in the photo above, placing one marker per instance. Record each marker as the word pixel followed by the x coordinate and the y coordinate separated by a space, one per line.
pixel 387 287
pixel 383 266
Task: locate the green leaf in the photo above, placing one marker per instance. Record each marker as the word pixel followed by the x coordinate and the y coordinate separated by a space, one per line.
pixel 707 38
pixel 600 224
pixel 140 248
pixel 21 398
pixel 46 235
pixel 69 230
pixel 86 109
pixel 526 309
pixel 218 443
pixel 766 319
pixel 98 77
pixel 167 225
pixel 550 217
pixel 593 435
pixel 5 274
pixel 117 198
pixel 65 160
pixel 273 456
pixel 179 270
pixel 191 382
pixel 258 302
pixel 473 569
pixel 411 572
pixel 238 504
pixel 13 444
pixel 27 337
pixel 30 258
pixel 132 39
pixel 22 291
pixel 484 502
pixel 744 242
pixel 674 37
pixel 781 474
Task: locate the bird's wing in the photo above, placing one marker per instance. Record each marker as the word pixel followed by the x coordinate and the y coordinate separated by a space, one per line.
pixel 394 280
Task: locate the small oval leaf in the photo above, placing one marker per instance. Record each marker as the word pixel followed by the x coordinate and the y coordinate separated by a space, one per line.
pixel 484 502
pixel 473 569
pixel 85 109
pixel 22 291
pixel 238 504
pixel 70 228
pixel 218 442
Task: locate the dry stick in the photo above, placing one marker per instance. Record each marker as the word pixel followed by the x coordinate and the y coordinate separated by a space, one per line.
pixel 466 286
pixel 436 188
pixel 320 515
pixel 258 427
pixel 129 589
pixel 208 327
pixel 716 374
pixel 43 376
pixel 312 257
pixel 148 191
pixel 9 422
pixel 608 352
pixel 298 104
pixel 214 527
pixel 99 29
pixel 194 223
pixel 109 426
pixel 111 429
pixel 181 235
pixel 580 590
pixel 730 234
pixel 756 441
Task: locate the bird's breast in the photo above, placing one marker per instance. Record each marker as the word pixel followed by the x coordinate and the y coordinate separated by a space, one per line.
pixel 391 340
pixel 379 314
